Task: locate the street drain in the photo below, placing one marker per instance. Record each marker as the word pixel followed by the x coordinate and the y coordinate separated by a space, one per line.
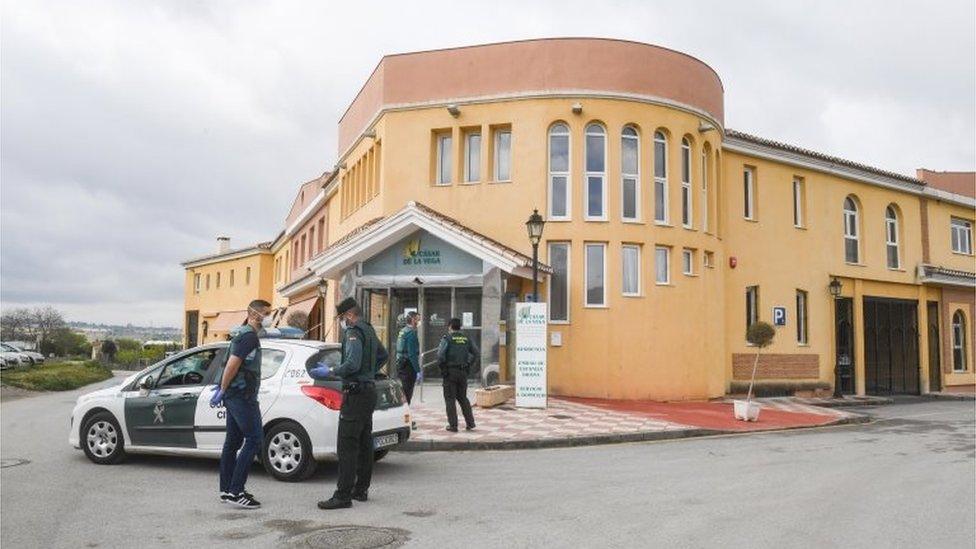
pixel 12 462
pixel 351 537
pixel 560 416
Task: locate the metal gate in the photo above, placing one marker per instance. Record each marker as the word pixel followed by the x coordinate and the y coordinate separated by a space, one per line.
pixel 890 346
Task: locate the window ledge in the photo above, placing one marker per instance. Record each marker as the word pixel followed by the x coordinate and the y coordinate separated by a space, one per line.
pixel 690 274
pixel 559 322
pixel 801 227
pixel 688 227
pixel 970 254
pixel 855 264
pixel 666 284
pixel 596 220
pixel 663 224
pixel 469 183
pixel 750 219
pixel 632 221
pixel 596 306
pixel 632 295
pixel 500 181
pixel 897 269
pixel 559 220
pixel 798 344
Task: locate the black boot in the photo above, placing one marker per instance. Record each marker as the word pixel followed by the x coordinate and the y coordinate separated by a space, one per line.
pixel 334 503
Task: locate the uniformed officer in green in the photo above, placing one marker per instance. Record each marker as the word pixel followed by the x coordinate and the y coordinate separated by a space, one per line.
pixel 456 354
pixel 362 356
pixel 408 355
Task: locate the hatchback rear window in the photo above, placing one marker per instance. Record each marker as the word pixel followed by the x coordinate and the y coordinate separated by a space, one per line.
pixel 330 357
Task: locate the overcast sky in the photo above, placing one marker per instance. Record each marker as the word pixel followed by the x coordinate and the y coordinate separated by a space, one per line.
pixel 135 132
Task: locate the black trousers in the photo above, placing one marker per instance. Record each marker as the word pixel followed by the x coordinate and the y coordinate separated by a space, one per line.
pixel 408 379
pixel 456 391
pixel 355 444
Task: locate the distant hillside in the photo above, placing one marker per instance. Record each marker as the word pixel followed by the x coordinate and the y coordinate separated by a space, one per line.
pixel 95 331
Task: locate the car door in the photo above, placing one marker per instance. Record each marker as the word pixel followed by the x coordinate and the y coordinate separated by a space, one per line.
pixel 211 421
pixel 163 414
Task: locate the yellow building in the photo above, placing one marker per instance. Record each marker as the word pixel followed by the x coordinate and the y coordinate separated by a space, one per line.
pixel 666 234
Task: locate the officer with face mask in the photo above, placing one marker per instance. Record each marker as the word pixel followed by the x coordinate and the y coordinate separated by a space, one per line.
pixel 238 391
pixel 362 356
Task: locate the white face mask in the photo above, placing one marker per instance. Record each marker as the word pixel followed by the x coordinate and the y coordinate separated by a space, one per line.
pixel 266 321
pixel 343 323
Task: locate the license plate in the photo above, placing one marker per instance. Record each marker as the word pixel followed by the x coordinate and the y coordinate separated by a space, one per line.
pixel 383 441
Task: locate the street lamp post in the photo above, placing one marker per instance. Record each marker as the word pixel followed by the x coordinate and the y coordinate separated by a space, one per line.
pixel 534 225
pixel 835 288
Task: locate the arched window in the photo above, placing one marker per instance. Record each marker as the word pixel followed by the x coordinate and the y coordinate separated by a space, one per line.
pixel 891 237
pixel 686 205
pixel 660 177
pixel 630 174
pixel 704 186
pixel 958 342
pixel 559 196
pixel 852 247
pixel 596 172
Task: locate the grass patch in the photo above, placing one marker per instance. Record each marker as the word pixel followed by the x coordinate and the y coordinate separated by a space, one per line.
pixel 57 376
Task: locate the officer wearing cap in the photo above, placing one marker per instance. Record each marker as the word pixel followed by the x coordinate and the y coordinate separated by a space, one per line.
pixel 456 354
pixel 362 356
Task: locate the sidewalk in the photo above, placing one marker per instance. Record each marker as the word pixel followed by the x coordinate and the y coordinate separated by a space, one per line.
pixel 579 422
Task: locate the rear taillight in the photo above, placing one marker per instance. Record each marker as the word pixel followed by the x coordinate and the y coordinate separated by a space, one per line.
pixel 330 398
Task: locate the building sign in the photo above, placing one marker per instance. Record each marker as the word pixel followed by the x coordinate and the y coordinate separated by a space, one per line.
pixel 414 254
pixel 779 316
pixel 530 355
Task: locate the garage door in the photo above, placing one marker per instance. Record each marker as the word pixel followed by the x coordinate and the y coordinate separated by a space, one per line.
pixel 890 346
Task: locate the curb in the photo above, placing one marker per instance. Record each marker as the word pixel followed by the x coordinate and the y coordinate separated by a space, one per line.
pixel 874 401
pixel 950 396
pixel 596 440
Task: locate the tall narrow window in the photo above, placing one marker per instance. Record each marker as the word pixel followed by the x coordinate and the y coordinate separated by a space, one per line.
pixel 891 237
pixel 797 202
pixel 321 233
pixel 208 282
pixel 596 166
pixel 196 283
pixel 660 177
pixel 218 280
pixel 688 261
pixel 472 157
pixel 686 205
pixel 301 257
pixel 559 195
pixel 852 247
pixel 748 193
pixel 559 282
pixel 596 274
pixel 444 159
pixel 752 306
pixel 704 190
pixel 662 265
pixel 230 281
pixel 958 342
pixel 630 257
pixel 962 236
pixel 630 174
pixel 503 155
pixel 311 242
pixel 247 276
pixel 801 317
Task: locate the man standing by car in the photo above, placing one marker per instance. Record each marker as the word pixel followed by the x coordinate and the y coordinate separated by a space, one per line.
pixel 408 355
pixel 238 389
pixel 456 353
pixel 362 355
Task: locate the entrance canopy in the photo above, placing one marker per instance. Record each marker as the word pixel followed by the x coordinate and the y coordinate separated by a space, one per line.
pixel 378 238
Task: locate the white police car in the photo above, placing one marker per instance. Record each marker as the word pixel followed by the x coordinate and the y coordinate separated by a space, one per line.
pixel 165 409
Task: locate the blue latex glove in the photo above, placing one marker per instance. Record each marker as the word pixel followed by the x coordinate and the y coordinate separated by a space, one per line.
pixel 321 371
pixel 217 397
pixel 420 377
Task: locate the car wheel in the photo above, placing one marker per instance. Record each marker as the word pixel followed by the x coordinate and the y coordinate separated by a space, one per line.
pixel 380 454
pixel 288 452
pixel 102 440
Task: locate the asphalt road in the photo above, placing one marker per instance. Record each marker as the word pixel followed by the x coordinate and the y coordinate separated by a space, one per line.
pixel 905 480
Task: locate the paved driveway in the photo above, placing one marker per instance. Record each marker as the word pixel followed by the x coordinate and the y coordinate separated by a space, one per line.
pixel 906 480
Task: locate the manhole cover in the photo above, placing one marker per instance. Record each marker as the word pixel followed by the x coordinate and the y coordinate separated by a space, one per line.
pixel 12 462
pixel 351 537
pixel 560 416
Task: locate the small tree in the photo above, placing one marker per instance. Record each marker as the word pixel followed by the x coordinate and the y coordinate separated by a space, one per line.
pixel 761 335
pixel 109 348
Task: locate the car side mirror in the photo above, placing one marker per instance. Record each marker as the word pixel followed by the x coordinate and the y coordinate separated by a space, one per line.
pixel 146 383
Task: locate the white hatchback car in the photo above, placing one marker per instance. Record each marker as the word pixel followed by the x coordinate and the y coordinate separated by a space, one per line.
pixel 165 409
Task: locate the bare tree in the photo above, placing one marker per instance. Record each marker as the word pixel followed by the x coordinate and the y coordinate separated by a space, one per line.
pixel 45 321
pixel 15 324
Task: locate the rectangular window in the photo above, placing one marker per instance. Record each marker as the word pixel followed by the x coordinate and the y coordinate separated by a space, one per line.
pixel 630 175
pixel 752 306
pixel 196 283
pixel 891 241
pixel 748 193
pixel 688 261
pixel 503 155
pixel 247 276
pixel 321 234
pixel 797 202
pixel 595 197
pixel 208 282
pixel 630 256
pixel 962 236
pixel 662 267
pixel 231 281
pixel 801 317
pixel 472 157
pixel 686 205
pixel 709 259
pixel 660 178
pixel 443 159
pixel 559 282
pixel 704 191
pixel 218 280
pixel 311 242
pixel 301 257
pixel 559 196
pixel 596 271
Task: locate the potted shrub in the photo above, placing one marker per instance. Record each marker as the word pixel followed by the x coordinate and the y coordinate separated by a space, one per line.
pixel 761 335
